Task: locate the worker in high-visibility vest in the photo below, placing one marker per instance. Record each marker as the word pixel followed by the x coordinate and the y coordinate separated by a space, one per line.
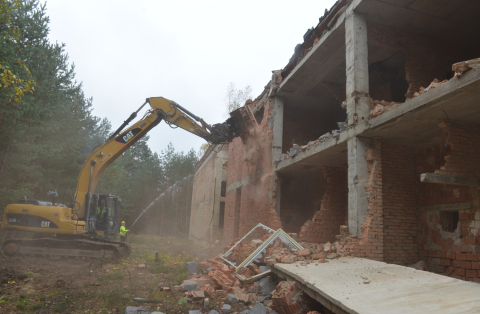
pixel 101 214
pixel 123 232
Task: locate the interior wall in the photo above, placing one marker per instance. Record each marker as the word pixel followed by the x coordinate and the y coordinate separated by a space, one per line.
pixel 306 121
pixel 387 78
pixel 426 59
pixel 325 223
pixel 399 204
pixel 300 198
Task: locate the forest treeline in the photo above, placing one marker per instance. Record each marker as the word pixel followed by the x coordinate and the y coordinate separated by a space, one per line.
pixel 47 128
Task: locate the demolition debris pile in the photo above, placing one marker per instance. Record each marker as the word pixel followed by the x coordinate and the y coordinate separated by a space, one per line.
pixel 251 283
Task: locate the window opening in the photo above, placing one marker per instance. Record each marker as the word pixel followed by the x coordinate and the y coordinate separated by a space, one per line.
pixel 449 220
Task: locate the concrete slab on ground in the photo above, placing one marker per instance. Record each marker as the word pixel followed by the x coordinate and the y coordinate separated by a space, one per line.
pixel 357 285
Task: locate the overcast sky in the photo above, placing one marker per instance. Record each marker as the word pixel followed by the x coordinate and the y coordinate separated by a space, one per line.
pixel 184 50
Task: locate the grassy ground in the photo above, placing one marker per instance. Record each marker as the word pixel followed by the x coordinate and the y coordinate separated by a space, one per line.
pixel 98 286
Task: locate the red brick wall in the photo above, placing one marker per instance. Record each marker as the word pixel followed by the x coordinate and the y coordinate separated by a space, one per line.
pixel 451 253
pixel 426 59
pixel 326 222
pixel 250 158
pixel 399 204
pixel 370 242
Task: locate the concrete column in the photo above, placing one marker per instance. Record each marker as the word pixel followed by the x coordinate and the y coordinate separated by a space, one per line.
pixel 221 158
pixel 278 194
pixel 277 141
pixel 277 116
pixel 357 67
pixel 357 178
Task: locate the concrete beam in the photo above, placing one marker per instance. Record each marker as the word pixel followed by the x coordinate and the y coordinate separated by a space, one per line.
pixel 357 178
pixel 447 207
pixel 448 179
pixel 357 67
pixel 238 184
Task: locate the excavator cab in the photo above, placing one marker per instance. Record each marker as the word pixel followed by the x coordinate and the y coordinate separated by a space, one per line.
pixel 102 218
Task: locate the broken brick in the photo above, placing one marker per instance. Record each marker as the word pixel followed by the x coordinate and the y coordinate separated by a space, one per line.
pixel 304 252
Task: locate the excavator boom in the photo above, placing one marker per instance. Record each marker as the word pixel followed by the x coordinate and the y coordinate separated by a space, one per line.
pixel 82 216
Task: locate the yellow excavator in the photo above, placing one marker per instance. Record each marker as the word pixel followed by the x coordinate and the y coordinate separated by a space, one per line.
pixel 86 228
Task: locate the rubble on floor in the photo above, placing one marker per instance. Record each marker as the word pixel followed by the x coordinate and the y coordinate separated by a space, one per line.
pixel 460 67
pixel 231 286
pixel 295 149
pixel 287 298
pixel 377 107
pixel 420 265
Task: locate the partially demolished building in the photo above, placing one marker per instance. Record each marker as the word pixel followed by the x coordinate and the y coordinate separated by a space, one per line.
pixel 368 127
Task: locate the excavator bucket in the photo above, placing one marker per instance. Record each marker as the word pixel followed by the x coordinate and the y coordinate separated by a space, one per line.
pixel 242 120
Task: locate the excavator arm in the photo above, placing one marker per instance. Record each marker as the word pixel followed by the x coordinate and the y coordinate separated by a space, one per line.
pixel 80 220
pixel 161 109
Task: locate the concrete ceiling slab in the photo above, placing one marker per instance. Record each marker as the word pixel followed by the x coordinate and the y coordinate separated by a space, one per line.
pixel 322 101
pixel 467 14
pixel 309 160
pixel 319 62
pixel 440 8
pixel 378 54
pixel 337 76
pixel 380 12
pixel 328 65
pixel 394 289
pixel 400 3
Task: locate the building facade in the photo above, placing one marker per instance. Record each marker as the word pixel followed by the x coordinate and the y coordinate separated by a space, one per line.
pixel 368 127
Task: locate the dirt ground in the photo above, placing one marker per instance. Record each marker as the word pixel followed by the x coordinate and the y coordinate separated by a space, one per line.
pixel 98 286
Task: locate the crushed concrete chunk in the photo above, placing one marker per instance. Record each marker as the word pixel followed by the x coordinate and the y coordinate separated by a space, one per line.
pixel 192 267
pixel 189 285
pixel 265 287
pixel 226 308
pixel 258 308
pixel 232 298
pixel 136 310
pixel 294 150
pixel 198 295
pixel 420 265
pixel 195 312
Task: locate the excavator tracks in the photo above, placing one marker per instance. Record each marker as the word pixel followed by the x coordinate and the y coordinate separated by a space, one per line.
pixel 59 248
